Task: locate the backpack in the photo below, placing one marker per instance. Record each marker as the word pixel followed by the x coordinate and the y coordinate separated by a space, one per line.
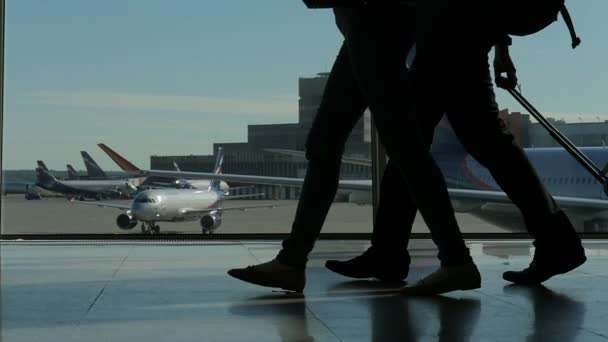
pixel 527 17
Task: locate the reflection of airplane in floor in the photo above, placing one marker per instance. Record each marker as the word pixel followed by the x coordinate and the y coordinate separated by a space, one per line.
pixel 474 191
pixel 179 205
pixel 97 189
pixel 174 182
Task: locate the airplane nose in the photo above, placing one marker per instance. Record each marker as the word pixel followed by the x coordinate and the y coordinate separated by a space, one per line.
pixel 143 211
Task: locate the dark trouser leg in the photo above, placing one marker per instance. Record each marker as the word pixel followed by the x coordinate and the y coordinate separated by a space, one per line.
pixel 472 110
pixel 483 133
pixel 380 71
pixel 396 210
pixel 341 107
pixel 395 214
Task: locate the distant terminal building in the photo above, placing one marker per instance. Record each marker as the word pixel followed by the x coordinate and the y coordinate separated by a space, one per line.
pixel 251 158
pixel 580 133
pixel 533 134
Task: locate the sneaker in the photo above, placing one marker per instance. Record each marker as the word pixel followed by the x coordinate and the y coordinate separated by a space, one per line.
pixel 446 279
pixel 371 265
pixel 272 274
pixel 548 264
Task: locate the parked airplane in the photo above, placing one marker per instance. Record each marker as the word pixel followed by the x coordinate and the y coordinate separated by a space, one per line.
pixel 72 174
pixel 93 170
pixel 42 165
pixel 179 205
pixel 175 182
pixel 474 191
pixel 36 192
pixel 81 189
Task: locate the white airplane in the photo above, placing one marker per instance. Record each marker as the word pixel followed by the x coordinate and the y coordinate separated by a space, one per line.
pixel 179 205
pixel 581 197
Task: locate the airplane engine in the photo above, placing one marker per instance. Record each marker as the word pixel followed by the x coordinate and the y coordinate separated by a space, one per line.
pixel 114 194
pixel 126 222
pixel 183 184
pixel 211 222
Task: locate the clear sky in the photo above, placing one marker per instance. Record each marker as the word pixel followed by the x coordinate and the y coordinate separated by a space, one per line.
pixel 172 77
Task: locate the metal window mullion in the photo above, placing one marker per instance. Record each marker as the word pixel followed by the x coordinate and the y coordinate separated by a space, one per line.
pixel 378 166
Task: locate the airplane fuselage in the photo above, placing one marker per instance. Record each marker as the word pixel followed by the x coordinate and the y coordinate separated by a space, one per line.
pixel 90 188
pixel 174 205
pixel 202 184
pixel 561 174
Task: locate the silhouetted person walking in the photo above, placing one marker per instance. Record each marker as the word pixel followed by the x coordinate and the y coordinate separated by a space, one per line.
pixel 370 71
pixel 453 76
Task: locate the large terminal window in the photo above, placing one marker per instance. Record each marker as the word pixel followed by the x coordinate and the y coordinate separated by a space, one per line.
pixel 94 91
pixel 165 86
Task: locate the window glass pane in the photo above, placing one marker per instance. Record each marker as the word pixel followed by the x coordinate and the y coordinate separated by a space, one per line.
pixel 166 85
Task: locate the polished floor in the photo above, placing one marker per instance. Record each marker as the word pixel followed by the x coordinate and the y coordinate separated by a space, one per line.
pixel 180 292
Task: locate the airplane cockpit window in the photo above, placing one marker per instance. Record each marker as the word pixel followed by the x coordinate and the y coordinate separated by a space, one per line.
pixel 144 199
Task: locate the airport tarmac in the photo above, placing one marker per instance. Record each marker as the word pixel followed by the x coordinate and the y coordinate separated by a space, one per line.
pixel 59 216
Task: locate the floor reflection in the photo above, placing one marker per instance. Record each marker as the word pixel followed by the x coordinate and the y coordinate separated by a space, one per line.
pixel 557 317
pixel 286 311
pixel 397 318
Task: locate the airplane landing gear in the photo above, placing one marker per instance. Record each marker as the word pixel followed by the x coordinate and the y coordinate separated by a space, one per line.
pixel 149 228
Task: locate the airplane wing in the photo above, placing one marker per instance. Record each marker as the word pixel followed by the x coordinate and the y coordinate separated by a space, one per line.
pixel 234 197
pixel 302 155
pixel 188 211
pixel 479 197
pixel 466 198
pixel 285 181
pixel 105 205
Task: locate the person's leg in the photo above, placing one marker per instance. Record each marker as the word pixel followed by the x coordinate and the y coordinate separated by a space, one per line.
pixel 377 67
pixel 473 113
pixel 558 247
pixel 387 258
pixel 341 106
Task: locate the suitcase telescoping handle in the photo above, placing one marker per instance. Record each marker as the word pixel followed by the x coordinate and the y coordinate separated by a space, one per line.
pixel 600 175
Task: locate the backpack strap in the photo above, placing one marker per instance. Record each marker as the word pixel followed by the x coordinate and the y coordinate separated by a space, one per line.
pixel 576 41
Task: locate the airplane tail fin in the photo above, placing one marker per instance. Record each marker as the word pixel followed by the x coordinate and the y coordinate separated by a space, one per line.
pixel 93 169
pixel 219 162
pixel 445 141
pixel 43 177
pixel 448 152
pixel 124 164
pixel 72 174
pixel 176 167
pixel 42 165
